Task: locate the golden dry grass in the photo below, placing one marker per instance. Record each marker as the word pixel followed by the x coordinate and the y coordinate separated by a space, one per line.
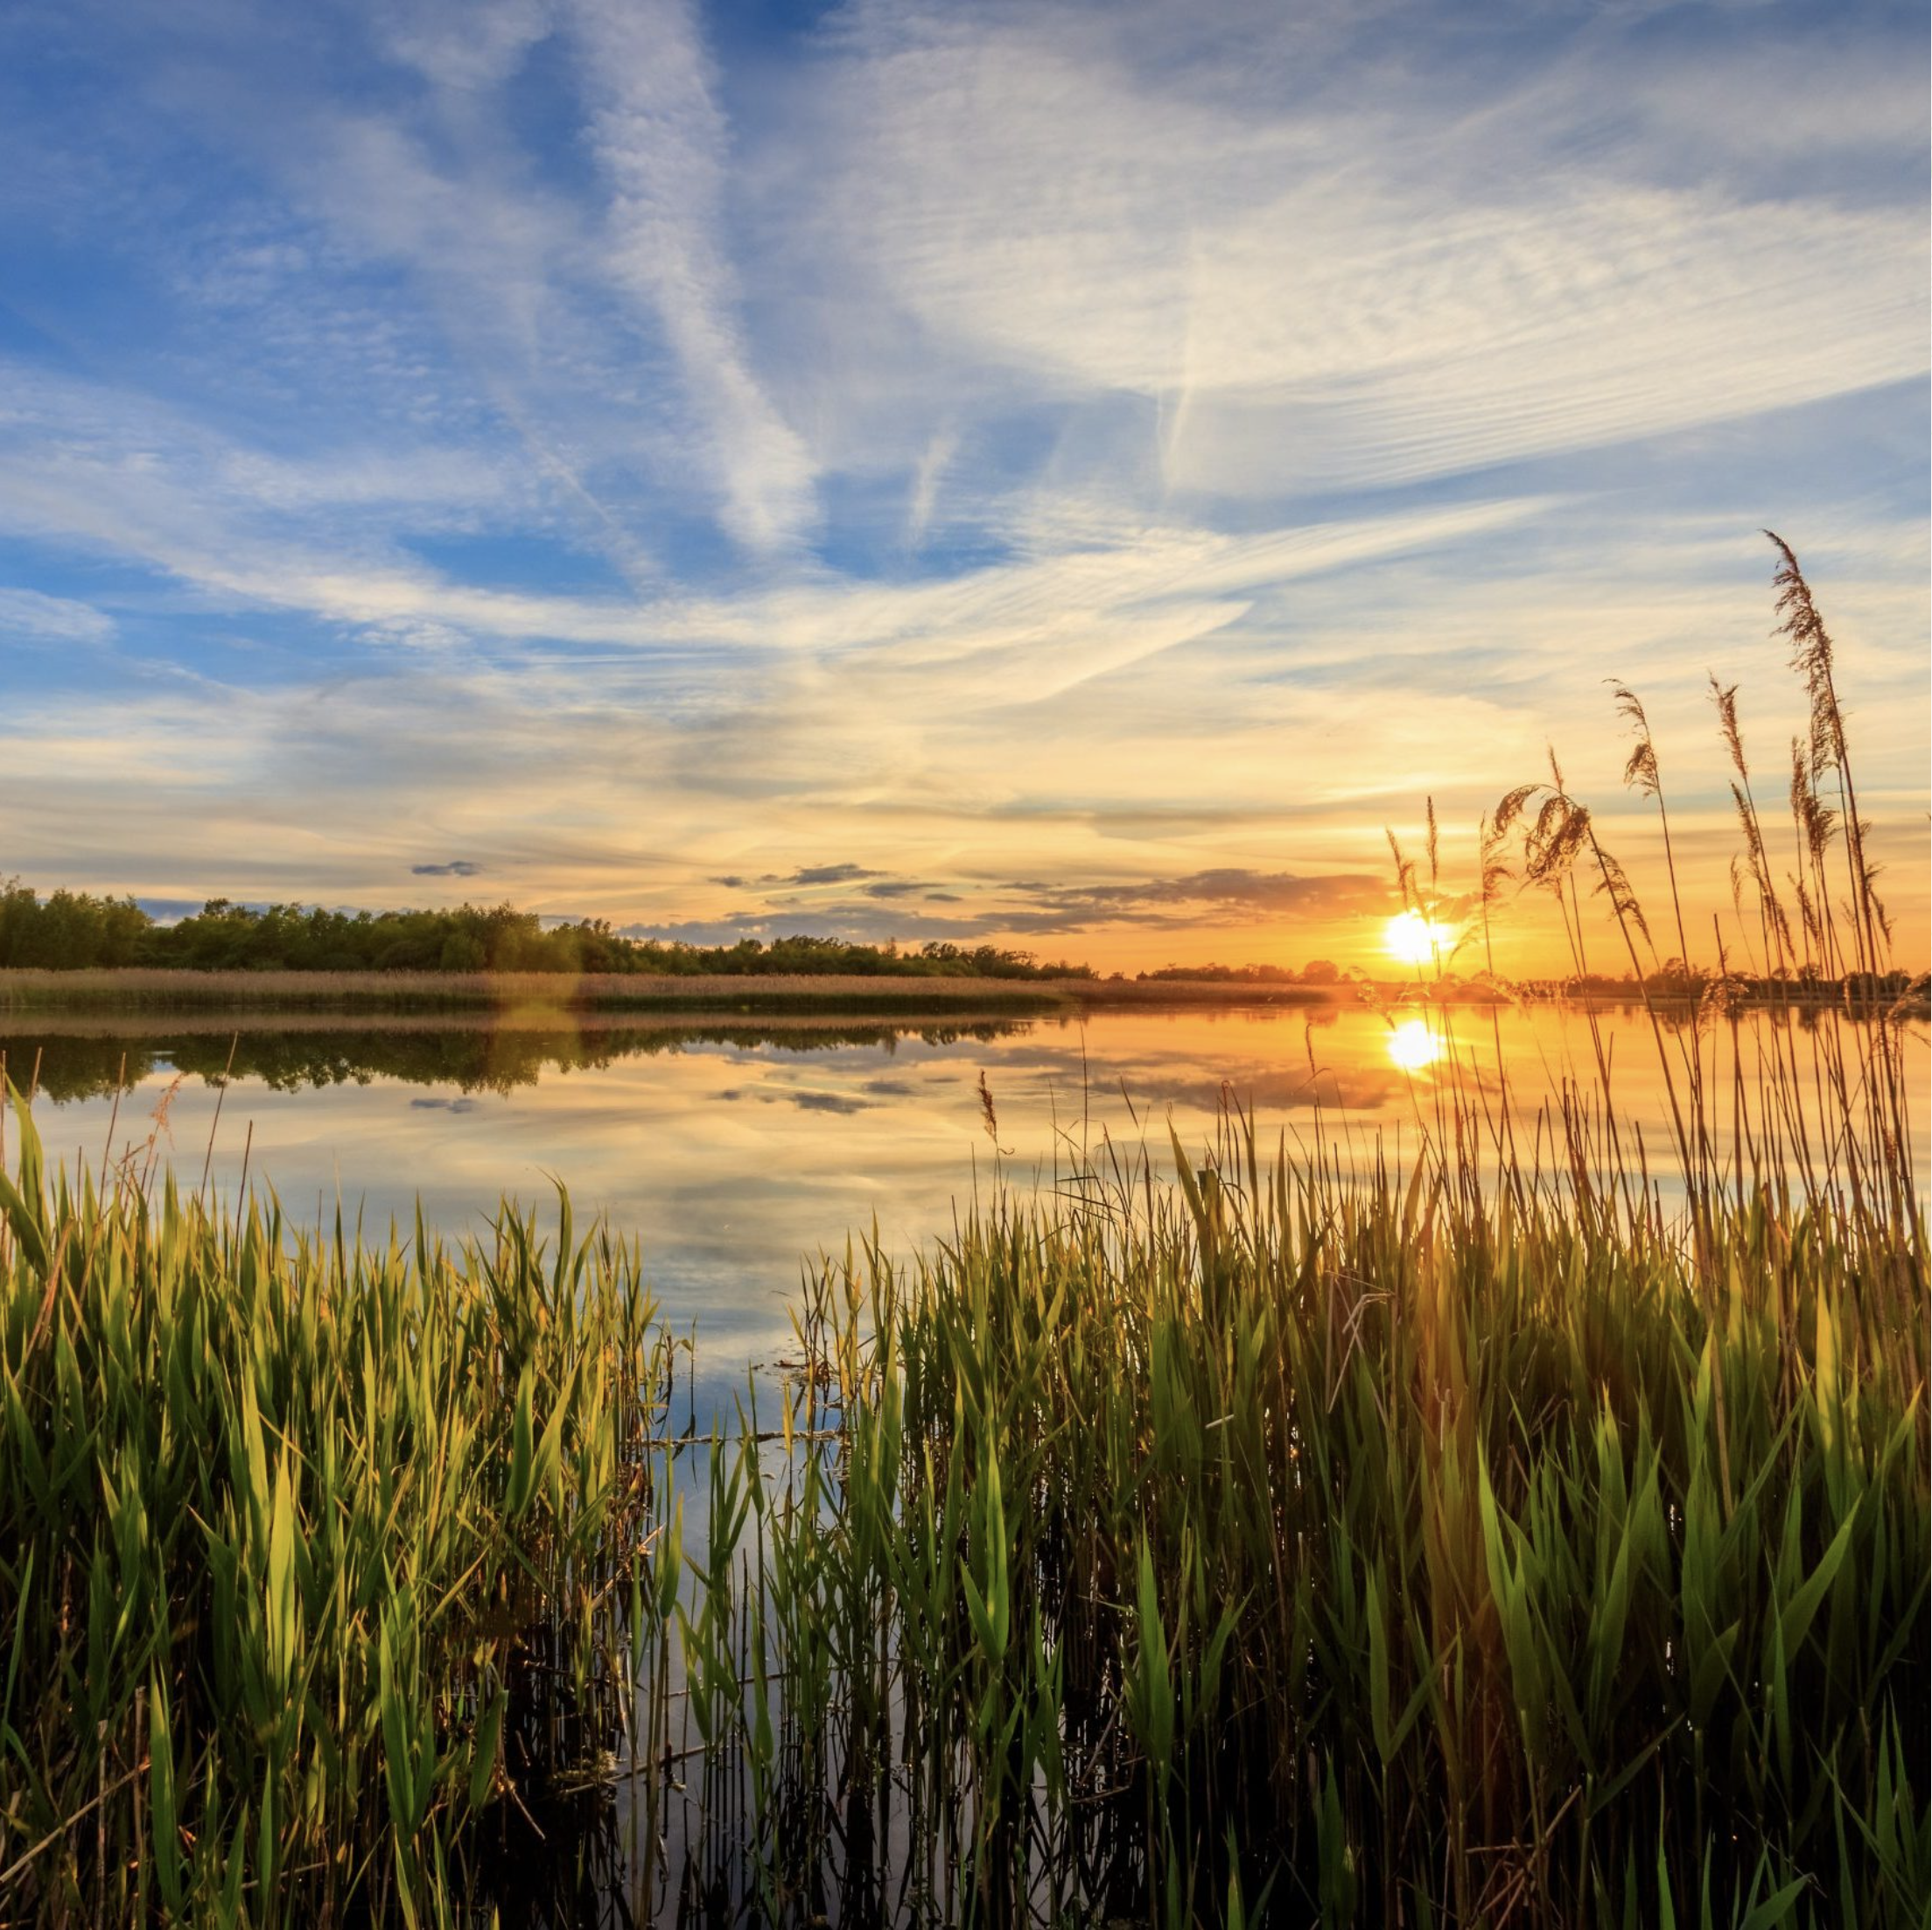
pixel 137 987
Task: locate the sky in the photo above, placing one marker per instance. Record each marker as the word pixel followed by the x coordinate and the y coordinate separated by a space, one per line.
pixel 1070 476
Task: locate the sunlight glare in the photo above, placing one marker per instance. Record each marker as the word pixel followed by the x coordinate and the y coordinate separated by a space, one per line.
pixel 1412 1045
pixel 1414 940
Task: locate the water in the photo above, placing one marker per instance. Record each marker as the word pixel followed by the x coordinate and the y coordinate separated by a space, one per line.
pixel 737 1151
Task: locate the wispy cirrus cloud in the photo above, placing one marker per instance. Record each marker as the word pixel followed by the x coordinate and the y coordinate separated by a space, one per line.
pixel 32 616
pixel 1387 283
pixel 662 143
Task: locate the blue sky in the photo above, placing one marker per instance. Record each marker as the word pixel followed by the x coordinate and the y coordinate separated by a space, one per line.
pixel 1066 474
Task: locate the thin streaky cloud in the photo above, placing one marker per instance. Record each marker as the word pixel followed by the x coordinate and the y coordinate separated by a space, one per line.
pixel 661 142
pixel 29 616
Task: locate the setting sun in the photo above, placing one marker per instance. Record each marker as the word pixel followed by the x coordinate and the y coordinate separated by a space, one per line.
pixel 1412 1045
pixel 1416 940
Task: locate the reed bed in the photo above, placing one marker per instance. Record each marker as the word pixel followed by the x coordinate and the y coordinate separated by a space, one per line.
pixel 309 1549
pixel 140 988
pixel 1291 1535
pixel 1527 1535
pixel 1532 1533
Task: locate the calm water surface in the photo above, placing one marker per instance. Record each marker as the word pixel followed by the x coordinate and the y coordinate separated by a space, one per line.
pixel 735 1152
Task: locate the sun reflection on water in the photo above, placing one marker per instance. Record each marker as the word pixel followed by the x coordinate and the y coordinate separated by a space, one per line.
pixel 1413 1044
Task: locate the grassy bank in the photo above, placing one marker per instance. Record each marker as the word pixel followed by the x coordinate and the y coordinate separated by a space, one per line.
pixel 532 993
pixel 140 989
pixel 535 999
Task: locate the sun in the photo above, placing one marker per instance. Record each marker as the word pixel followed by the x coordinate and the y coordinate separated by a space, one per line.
pixel 1414 940
pixel 1412 1045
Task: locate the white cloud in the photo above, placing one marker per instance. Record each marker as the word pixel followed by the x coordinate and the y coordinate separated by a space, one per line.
pixel 474 47
pixel 663 145
pixel 933 464
pixel 38 619
pixel 1361 294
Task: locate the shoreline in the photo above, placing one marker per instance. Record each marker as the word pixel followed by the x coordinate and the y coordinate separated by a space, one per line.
pixel 534 999
pixel 525 995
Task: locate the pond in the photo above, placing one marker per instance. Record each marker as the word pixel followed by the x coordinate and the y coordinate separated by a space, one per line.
pixel 737 1151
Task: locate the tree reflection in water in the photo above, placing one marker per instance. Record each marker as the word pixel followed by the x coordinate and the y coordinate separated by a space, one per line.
pixel 64 1063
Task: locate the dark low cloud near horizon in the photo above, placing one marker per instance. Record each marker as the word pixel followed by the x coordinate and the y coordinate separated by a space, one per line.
pixel 1229 888
pixel 828 874
pixel 806 874
pixel 457 867
pixel 1228 898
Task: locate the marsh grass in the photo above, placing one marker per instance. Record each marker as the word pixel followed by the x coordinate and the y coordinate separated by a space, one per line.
pixel 310 1553
pixel 530 994
pixel 1298 1531
pixel 1524 1534
pixel 1520 1535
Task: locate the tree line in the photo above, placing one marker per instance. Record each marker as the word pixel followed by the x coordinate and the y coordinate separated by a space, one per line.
pixel 72 930
pixel 1318 971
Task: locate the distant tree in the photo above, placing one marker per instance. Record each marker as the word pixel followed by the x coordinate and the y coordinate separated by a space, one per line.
pixel 462 951
pixel 1217 974
pixel 70 929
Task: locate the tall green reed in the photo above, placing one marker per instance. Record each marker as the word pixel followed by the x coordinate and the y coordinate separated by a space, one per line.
pixel 1523 1535
pixel 1277 1530
pixel 311 1551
